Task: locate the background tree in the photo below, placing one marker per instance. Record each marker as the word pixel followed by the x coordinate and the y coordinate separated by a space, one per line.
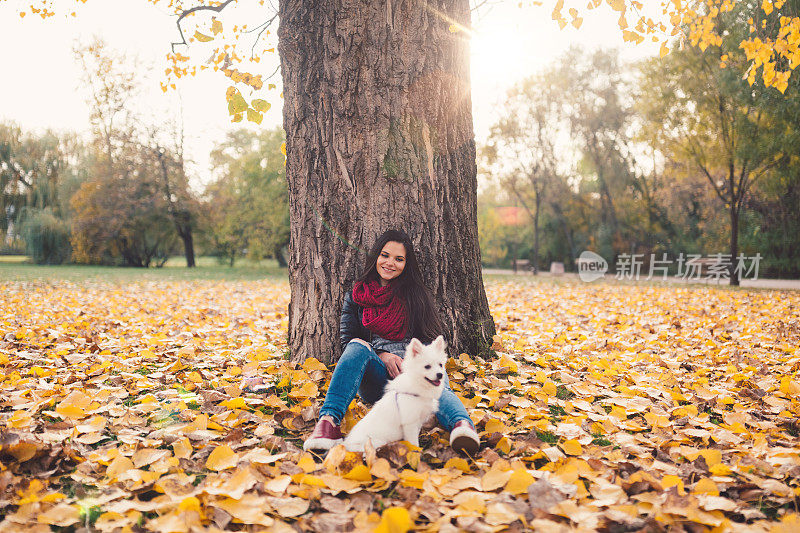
pixel 595 99
pixel 526 150
pixel 772 224
pixel 248 202
pixel 31 166
pixel 122 218
pixel 564 146
pixel 137 197
pixel 182 206
pixel 716 122
pixel 492 234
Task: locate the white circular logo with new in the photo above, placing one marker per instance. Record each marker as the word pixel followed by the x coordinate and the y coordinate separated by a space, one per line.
pixel 591 266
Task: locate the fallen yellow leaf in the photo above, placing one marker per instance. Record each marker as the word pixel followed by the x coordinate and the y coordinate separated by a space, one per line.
pixel 222 458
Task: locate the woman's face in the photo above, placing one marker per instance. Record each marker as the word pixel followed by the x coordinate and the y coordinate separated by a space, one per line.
pixel 391 261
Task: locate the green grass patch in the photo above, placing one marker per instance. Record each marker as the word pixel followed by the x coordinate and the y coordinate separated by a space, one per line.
pixel 772 509
pixel 130 401
pixel 14 259
pixel 599 440
pixel 89 515
pixel 174 270
pixel 563 393
pixel 714 418
pixel 547 436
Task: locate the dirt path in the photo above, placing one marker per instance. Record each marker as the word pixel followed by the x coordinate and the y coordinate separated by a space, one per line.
pixel 780 284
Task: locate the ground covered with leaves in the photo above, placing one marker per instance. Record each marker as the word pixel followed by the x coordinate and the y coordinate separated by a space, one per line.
pixel 609 407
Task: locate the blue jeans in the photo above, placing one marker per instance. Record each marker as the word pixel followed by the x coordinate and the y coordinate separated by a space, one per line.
pixel 361 370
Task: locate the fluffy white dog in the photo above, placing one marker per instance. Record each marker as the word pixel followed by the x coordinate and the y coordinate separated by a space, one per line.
pixel 408 401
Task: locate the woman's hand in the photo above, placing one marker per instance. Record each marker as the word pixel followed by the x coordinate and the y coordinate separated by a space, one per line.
pixel 392 363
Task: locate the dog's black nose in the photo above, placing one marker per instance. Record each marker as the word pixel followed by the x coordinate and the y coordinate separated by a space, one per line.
pixel 439 375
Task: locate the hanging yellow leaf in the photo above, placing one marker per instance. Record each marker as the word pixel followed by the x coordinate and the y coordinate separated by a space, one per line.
pixel 236 104
pixel 202 37
pixel 254 116
pixel 262 106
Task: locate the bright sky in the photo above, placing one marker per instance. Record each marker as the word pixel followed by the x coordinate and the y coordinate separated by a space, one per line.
pixel 41 89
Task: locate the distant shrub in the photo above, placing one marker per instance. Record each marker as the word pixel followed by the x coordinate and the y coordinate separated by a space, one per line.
pixel 46 237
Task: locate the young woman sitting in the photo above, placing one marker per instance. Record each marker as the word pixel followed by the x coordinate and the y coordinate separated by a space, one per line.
pixel 387 307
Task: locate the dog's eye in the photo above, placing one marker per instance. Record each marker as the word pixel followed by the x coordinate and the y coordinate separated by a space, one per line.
pixel 427 367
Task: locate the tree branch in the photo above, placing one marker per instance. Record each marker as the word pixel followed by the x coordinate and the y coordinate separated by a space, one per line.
pixel 711 180
pixel 261 29
pixel 188 12
pixel 753 177
pixel 521 199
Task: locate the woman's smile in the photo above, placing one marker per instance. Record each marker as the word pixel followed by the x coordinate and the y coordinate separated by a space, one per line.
pixel 391 261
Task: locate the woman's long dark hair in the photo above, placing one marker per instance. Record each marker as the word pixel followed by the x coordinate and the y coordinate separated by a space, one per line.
pixel 423 317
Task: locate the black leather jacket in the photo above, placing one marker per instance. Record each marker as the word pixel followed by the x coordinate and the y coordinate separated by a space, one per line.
pixel 351 326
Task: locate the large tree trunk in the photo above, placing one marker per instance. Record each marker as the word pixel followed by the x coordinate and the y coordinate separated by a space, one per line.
pixel 379 135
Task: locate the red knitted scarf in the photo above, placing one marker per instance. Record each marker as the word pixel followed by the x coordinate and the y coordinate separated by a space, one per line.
pixel 384 313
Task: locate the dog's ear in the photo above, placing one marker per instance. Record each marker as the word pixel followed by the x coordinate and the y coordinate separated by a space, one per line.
pixel 414 348
pixel 439 343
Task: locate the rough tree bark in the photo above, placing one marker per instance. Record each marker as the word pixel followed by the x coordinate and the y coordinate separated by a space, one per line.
pixel 379 135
